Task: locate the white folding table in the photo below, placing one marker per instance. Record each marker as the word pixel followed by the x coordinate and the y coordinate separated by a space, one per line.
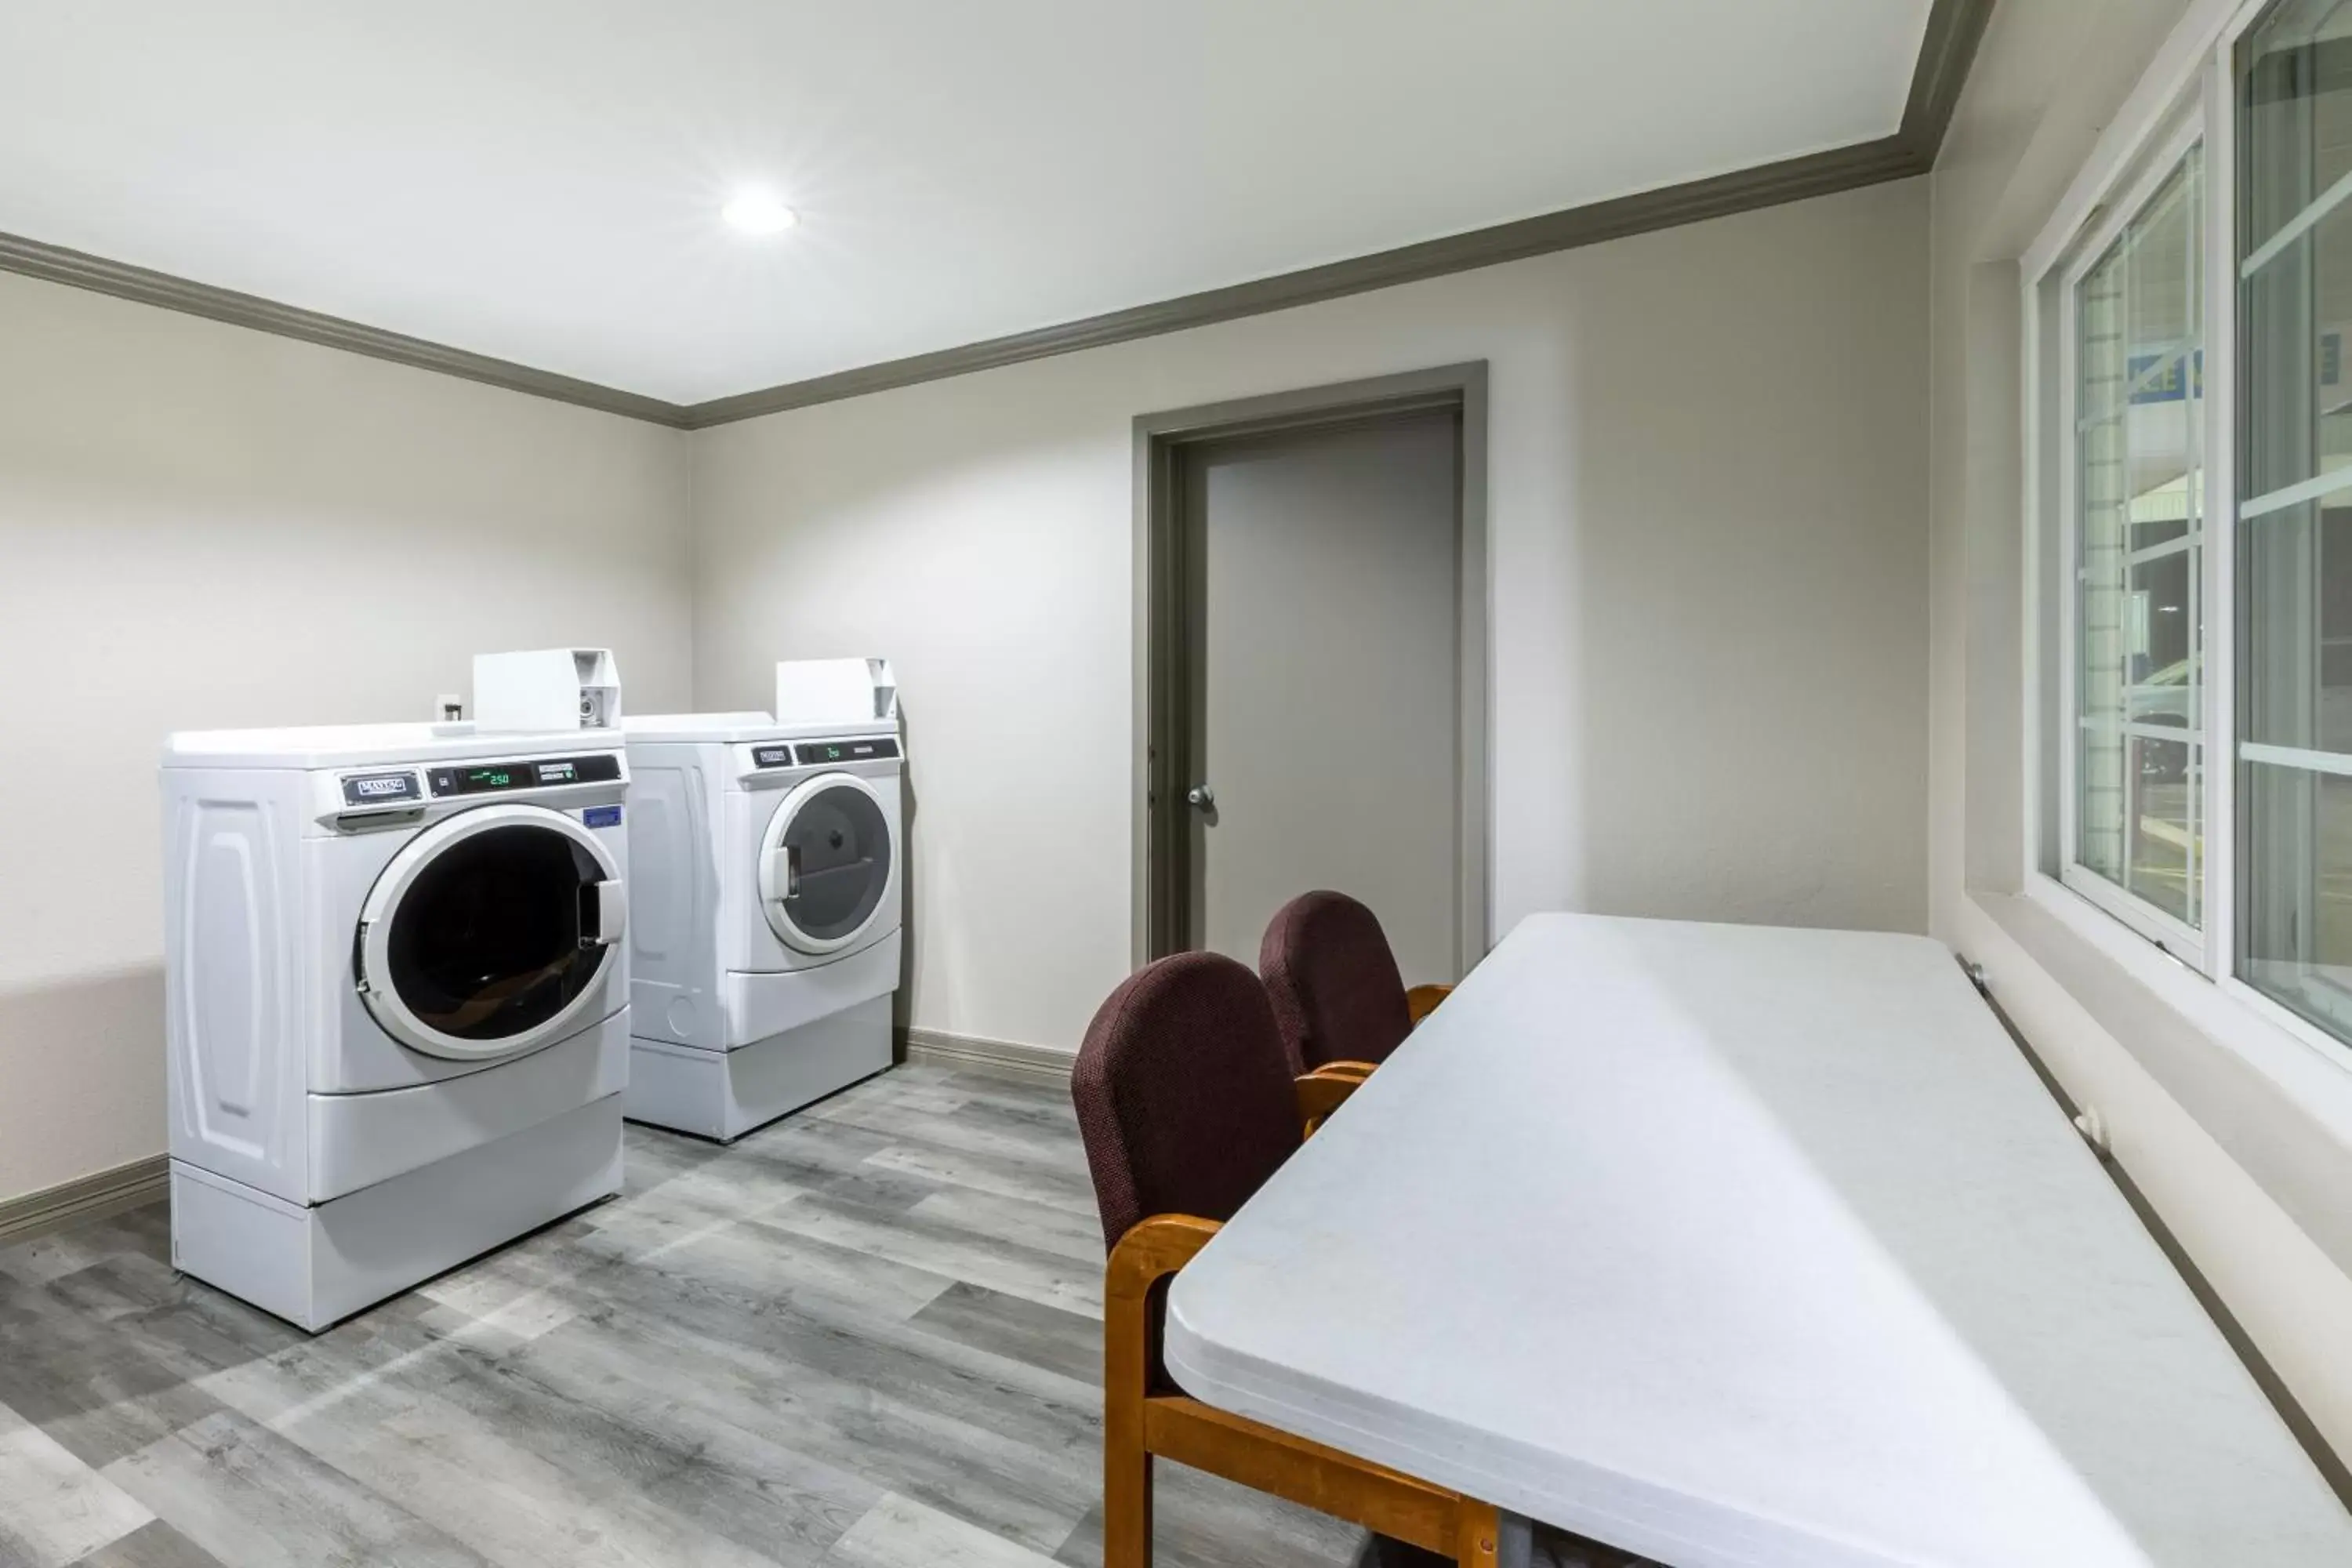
pixel 1745 1246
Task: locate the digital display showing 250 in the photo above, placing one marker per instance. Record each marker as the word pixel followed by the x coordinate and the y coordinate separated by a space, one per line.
pixel 489 778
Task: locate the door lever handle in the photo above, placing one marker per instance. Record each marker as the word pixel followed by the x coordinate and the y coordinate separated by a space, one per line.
pixel 1201 796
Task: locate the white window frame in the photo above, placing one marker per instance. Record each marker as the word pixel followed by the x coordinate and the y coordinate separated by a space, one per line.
pixel 2149 170
pixel 2187 91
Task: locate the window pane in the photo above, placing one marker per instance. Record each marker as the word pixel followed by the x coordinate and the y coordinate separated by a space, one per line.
pixel 2297 90
pixel 2297 635
pixel 2298 916
pixel 2139 493
pixel 2295 514
pixel 2295 242
pixel 2298 326
pixel 2161 592
pixel 2159 865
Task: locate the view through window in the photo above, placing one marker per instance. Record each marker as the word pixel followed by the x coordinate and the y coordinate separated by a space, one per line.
pixel 2139 532
pixel 2295 512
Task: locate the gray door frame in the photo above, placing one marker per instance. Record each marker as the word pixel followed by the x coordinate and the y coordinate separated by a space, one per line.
pixel 1165 672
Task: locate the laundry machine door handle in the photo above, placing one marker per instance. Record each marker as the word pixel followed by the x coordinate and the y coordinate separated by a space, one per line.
pixel 608 902
pixel 784 872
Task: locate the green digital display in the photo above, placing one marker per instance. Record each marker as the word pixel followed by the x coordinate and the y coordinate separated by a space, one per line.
pixel 825 751
pixel 489 778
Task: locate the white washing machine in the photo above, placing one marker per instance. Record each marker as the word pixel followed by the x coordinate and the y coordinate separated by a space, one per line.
pixel 396 1005
pixel 764 913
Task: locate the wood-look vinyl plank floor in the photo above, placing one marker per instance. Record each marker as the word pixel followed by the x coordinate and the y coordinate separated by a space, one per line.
pixel 152 1545
pixel 866 1336
pixel 53 1508
pixel 247 1495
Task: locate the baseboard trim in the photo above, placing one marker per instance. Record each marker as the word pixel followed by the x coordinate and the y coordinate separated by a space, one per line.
pixel 85 1198
pixel 972 1053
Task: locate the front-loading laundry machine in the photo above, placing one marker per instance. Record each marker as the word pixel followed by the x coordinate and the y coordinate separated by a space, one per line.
pixel 768 860
pixel 396 1002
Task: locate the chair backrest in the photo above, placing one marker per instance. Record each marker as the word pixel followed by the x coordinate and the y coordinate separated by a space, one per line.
pixel 1183 1093
pixel 1332 981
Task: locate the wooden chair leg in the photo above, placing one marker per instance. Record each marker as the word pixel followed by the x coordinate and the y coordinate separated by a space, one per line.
pixel 1148 1252
pixel 1127 1501
pixel 1126 1463
pixel 1476 1533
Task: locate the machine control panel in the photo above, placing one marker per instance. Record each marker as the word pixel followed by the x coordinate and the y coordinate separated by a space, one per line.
pixel 818 752
pixel 382 789
pixel 531 773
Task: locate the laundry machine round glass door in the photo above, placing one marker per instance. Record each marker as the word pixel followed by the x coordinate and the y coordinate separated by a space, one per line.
pixel 825 862
pixel 489 933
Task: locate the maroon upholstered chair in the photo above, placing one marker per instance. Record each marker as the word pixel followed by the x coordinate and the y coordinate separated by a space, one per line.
pixel 1183 1093
pixel 1334 983
pixel 1186 1105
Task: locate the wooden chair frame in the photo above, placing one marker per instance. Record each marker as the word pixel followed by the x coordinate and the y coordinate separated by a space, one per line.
pixel 1422 1000
pixel 1140 1425
pixel 1419 1003
pixel 1321 1092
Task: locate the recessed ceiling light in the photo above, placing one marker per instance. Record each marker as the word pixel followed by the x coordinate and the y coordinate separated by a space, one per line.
pixel 756 212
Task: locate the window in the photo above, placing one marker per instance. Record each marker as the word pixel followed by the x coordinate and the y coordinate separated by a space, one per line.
pixel 2294 510
pixel 2189 334
pixel 2138 532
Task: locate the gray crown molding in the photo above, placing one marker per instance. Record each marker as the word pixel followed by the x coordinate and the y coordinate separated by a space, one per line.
pixel 1954 29
pixel 80 270
pixel 1770 184
pixel 1948 45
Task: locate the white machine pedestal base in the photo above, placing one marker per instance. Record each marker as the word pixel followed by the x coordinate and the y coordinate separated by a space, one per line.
pixel 315 1266
pixel 725 1094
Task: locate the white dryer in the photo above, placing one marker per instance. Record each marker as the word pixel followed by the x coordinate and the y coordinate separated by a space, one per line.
pixel 764 913
pixel 396 1000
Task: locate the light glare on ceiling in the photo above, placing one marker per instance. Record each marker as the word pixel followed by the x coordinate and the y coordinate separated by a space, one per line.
pixel 758 212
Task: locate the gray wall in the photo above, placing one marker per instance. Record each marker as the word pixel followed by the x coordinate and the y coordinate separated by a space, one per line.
pixel 1708 539
pixel 204 526
pixel 1707 481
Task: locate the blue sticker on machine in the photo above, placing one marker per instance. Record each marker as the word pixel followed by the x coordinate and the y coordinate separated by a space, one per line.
pixel 602 816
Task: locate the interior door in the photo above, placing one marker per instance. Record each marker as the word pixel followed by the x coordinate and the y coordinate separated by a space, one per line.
pixel 1323 683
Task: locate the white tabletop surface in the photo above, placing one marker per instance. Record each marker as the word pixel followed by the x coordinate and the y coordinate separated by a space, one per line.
pixel 1745 1246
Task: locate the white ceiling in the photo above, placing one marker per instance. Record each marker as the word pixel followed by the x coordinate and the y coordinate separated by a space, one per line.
pixel 539 180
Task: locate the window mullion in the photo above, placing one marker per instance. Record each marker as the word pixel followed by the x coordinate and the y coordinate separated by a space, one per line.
pixel 2219 574
pixel 2196 763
